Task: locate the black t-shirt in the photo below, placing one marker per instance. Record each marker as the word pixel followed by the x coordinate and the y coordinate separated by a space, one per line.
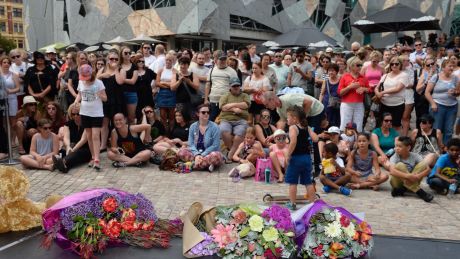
pixel 72 74
pixel 39 80
pixel 157 130
pixel 180 132
pixel 75 132
pixel 129 75
pixel 182 95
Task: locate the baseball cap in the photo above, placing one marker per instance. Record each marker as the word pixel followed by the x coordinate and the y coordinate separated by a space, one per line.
pixel 221 54
pixel 329 50
pixel 235 81
pixel 333 129
pixel 351 125
pixel 85 72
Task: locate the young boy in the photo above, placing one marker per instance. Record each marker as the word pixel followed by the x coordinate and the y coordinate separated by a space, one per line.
pixel 407 170
pixel 333 175
pixel 446 170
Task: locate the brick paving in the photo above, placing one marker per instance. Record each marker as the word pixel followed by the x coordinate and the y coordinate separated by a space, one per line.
pixel 172 193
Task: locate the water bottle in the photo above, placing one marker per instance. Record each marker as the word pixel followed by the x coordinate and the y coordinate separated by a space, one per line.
pixel 452 189
pixel 267 175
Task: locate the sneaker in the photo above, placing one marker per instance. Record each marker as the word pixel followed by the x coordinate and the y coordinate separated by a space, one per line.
pixel 211 168
pixel 59 164
pixel 398 192
pixel 290 205
pixel 345 191
pixel 117 164
pixel 326 189
pixel 424 195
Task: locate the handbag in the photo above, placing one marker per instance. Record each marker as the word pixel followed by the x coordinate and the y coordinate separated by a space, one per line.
pixel 375 99
pixel 261 165
pixel 195 99
pixel 333 102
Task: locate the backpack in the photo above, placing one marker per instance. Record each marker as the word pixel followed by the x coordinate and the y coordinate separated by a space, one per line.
pixel 169 161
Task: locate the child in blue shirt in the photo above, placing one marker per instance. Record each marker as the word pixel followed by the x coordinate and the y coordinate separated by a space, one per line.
pixel 446 169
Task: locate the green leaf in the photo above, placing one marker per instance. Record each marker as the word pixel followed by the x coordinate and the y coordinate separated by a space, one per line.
pixel 244 232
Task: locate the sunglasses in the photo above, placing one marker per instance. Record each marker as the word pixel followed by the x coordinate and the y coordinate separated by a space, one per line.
pixel 278 56
pixel 429 65
pixel 389 121
pixel 359 65
pixel 18 56
pixel 394 64
pixel 204 112
pixel 141 61
pixel 147 112
pixel 425 122
pixel 265 116
pixel 100 64
pixel 307 59
pixel 75 114
pixel 418 44
pixel 326 61
pixel 280 138
pixel 46 128
pixel 113 59
pixel 126 53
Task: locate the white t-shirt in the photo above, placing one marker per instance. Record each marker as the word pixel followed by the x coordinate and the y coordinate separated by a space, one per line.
pixel 149 60
pixel 20 69
pixel 257 84
pixel 398 98
pixel 220 82
pixel 91 104
pixel 159 63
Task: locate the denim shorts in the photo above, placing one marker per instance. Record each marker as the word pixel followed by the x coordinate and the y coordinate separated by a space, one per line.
pixel 299 170
pixel 130 97
pixel 237 128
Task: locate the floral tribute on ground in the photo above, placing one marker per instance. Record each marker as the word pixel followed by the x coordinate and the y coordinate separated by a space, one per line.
pixel 247 231
pixel 90 221
pixel 333 232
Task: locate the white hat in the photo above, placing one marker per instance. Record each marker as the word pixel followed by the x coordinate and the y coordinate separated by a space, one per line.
pixel 279 132
pixel 50 50
pixel 271 53
pixel 333 129
pixel 28 99
pixel 329 49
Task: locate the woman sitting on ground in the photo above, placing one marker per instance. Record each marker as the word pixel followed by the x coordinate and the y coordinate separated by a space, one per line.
pixel 157 130
pixel 427 141
pixel 203 142
pixel 383 140
pixel 250 149
pixel 264 130
pixel 45 144
pixel 360 164
pixel 179 134
pixel 127 148
pixel 75 142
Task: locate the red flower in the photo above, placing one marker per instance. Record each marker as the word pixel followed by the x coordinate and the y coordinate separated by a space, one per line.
pixel 148 225
pixel 318 250
pixel 113 229
pixel 344 221
pixel 128 215
pixel 102 223
pixel 109 205
pixel 128 226
pixel 268 254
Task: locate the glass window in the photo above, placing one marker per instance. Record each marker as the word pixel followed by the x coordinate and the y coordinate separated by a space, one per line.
pixel 17 12
pixel 3 26
pixel 18 27
pixel 20 44
pixel 163 3
pixel 2 11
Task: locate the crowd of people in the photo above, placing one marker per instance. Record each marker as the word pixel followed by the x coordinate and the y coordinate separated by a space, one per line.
pixel 343 118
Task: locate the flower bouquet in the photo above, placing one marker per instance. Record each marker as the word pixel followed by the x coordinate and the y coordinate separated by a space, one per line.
pixel 332 232
pixel 89 221
pixel 245 231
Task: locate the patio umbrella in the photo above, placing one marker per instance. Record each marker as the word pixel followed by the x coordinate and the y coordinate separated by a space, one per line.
pixel 142 38
pixel 306 35
pixel 116 40
pixel 397 18
pixel 98 47
pixel 78 45
pixel 56 46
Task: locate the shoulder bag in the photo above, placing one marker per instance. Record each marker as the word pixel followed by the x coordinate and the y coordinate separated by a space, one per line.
pixel 333 102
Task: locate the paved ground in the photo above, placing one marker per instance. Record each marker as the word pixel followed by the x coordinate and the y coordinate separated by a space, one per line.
pixel 171 193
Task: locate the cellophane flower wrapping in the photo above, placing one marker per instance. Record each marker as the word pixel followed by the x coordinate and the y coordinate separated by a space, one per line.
pixel 89 221
pixel 325 231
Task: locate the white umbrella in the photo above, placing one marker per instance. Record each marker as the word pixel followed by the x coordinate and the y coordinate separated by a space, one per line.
pixel 98 47
pixel 116 40
pixel 142 38
pixel 320 44
pixel 270 44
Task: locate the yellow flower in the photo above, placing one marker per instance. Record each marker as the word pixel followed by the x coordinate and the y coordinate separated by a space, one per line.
pixel 270 234
pixel 333 230
pixel 256 223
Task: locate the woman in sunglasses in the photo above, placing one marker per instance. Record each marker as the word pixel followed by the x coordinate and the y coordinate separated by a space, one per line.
pixel 54 114
pixel 144 85
pixel 383 139
pixel 427 141
pixel 264 130
pixel 204 142
pixel 45 144
pixel 393 94
pixel 128 71
pixel 352 87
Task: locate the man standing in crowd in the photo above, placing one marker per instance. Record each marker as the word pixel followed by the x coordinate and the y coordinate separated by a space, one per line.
pixel 234 116
pixel 218 83
pixel 300 72
pixel 207 57
pixel 148 57
pixel 160 60
pixel 281 71
pixel 201 71
pixel 417 57
pixel 253 53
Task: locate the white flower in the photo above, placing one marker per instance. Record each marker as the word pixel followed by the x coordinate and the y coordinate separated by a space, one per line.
pixel 333 229
pixel 350 230
pixel 337 215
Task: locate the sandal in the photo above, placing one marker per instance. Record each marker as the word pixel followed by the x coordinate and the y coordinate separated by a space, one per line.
pixel 117 164
pixel 21 151
pixel 91 163
pixel 97 165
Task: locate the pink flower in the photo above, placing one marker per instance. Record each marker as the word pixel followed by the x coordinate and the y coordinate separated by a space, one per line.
pixel 128 215
pixel 344 221
pixel 239 217
pixel 251 247
pixel 318 250
pixel 224 235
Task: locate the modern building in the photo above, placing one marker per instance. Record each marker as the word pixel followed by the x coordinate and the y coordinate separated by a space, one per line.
pixel 12 21
pixel 208 23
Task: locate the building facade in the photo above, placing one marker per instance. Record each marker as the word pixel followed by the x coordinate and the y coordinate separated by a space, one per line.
pixel 207 23
pixel 12 21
